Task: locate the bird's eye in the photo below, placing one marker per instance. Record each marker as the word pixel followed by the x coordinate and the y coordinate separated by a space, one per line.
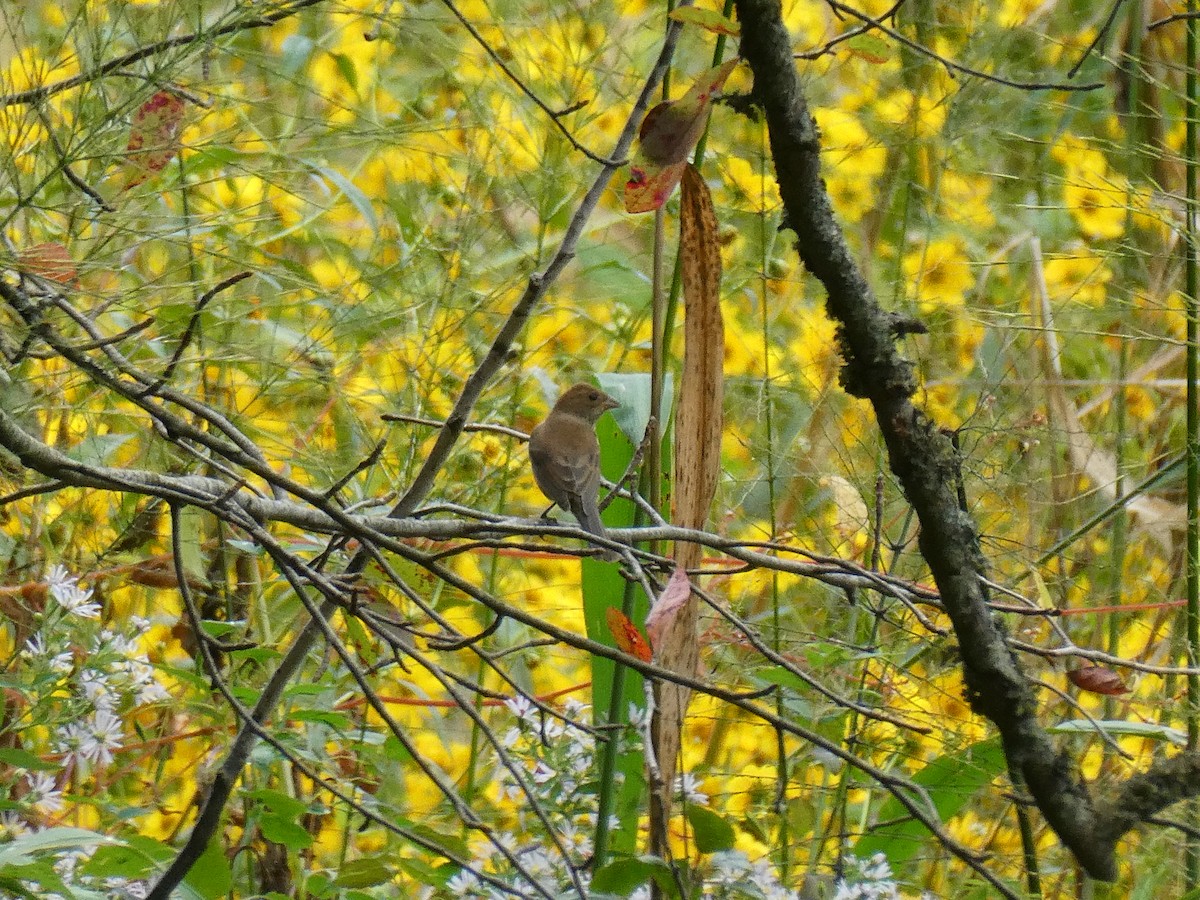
pixel 594 395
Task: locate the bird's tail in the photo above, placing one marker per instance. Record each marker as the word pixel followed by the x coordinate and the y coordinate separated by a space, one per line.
pixel 589 518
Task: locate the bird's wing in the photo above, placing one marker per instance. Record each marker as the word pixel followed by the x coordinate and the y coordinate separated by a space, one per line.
pixel 572 473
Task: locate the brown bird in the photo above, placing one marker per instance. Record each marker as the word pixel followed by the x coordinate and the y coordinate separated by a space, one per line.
pixel 565 455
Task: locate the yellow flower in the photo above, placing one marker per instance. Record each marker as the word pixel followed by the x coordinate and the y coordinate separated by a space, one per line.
pixel 921 116
pixel 940 273
pixel 1097 198
pixel 1078 275
pixel 847 143
pixel 747 186
pixel 965 201
pixel 1097 205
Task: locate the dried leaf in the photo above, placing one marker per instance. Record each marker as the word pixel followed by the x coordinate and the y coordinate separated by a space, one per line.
pixel 153 136
pixel 668 134
pixel 1098 680
pixel 699 419
pixel 698 426
pixel 159 572
pixel 664 615
pixel 49 260
pixel 628 638
pixel 708 19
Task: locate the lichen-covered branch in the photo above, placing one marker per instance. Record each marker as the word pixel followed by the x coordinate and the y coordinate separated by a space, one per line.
pixel 925 464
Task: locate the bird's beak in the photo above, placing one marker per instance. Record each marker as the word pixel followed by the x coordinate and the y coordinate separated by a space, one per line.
pixel 610 403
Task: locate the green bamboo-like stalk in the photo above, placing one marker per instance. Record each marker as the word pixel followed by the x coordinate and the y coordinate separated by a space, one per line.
pixel 1192 853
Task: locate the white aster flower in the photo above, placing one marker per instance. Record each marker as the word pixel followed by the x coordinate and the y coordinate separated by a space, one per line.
pixel 44 793
pixel 520 706
pixel 102 735
pixel 689 785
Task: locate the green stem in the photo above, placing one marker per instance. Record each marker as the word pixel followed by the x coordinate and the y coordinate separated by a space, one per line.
pixel 1192 854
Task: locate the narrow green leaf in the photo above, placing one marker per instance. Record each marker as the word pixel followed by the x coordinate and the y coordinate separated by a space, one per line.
pixel 352 193
pixel 23 759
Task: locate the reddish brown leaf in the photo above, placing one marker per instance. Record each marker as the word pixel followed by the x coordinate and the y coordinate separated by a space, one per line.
pixel 664 616
pixel 698 425
pixel 1098 680
pixel 159 572
pixel 629 639
pixel 154 136
pixel 668 134
pixel 648 188
pixel 699 420
pixel 50 260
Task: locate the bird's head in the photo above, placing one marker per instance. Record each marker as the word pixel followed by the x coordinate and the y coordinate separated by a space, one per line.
pixel 585 401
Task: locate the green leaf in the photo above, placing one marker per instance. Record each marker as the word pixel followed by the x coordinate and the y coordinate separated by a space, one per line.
pixel 1117 726
pixel 396 751
pixel 346 66
pixel 451 845
pixel 622 877
pixel 23 849
pixel 712 832
pixel 870 47
pixel 138 857
pixel 352 193
pixel 23 759
pixel 420 870
pixel 211 877
pixel 708 19
pixel 332 719
pixel 278 802
pixel 632 391
pixel 285 831
pixel 366 872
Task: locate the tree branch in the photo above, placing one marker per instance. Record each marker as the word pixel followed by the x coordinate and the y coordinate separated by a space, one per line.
pixel 921 457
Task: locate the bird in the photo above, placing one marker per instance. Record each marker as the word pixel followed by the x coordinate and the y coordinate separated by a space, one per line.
pixel 565 455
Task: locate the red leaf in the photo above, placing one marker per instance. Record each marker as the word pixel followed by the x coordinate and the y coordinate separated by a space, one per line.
pixel 668 134
pixel 154 136
pixel 49 260
pixel 625 633
pixel 646 191
pixel 1098 680
pixel 665 612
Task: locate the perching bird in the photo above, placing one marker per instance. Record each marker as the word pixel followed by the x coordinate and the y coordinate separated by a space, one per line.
pixel 565 455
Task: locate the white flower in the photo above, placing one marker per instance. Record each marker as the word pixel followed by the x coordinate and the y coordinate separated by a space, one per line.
pixel 101 736
pixel 637 716
pixel 520 706
pixel 58 576
pixel 69 742
pixel 464 884
pixel 61 662
pixel 96 687
pixel 44 793
pixel 542 773
pixel 72 597
pixel 874 881
pixel 689 785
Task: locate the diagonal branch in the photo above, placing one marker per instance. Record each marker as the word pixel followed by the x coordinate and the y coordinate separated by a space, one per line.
pixel 38 94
